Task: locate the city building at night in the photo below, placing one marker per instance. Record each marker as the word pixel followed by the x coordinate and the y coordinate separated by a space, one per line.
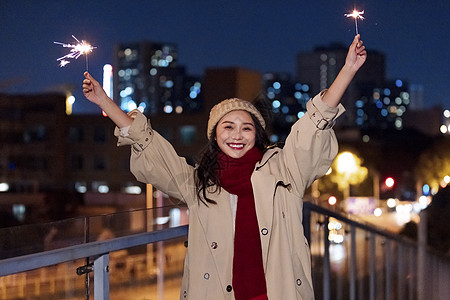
pixel 147 75
pixel 382 107
pixel 286 101
pixel 319 68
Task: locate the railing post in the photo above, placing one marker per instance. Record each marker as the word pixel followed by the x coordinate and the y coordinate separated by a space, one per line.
pixel 400 272
pixel 352 263
pixel 101 277
pixel 372 269
pixel 326 260
pixel 388 268
pixel 412 273
pixel 421 256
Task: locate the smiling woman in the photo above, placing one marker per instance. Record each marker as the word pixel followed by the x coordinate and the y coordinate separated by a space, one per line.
pixel 246 238
pixel 235 133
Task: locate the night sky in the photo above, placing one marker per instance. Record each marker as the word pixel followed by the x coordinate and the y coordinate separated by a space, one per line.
pixel 260 35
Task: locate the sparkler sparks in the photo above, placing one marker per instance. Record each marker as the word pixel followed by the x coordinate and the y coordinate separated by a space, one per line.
pixel 63 62
pixel 356 15
pixel 76 51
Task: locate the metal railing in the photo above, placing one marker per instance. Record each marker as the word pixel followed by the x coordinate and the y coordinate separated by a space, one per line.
pixel 350 259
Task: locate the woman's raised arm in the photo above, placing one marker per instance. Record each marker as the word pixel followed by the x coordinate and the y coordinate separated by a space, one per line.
pixel 356 57
pixel 94 92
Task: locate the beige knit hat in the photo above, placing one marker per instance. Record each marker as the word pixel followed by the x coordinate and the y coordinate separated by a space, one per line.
pixel 221 109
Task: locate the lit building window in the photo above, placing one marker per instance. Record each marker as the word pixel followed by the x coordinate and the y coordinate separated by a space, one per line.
pixel 133 189
pixel 100 186
pixel 276 104
pixel 19 211
pixel 4 187
pixel 168 109
pixel 103 189
pixel 81 187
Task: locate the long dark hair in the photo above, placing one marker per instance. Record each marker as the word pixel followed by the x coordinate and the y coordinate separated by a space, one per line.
pixel 206 178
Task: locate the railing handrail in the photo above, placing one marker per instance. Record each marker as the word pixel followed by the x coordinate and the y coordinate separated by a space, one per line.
pixel 370 228
pixel 100 250
pixel 33 261
pixel 357 223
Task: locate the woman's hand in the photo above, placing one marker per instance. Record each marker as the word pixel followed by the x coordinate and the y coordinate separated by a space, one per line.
pixel 92 90
pixel 356 55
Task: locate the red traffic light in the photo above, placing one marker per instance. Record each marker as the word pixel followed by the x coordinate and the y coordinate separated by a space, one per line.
pixel 389 182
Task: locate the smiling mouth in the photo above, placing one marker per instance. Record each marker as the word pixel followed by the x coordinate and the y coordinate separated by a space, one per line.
pixel 236 146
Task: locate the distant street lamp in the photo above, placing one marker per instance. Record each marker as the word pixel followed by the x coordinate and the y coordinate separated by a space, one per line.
pixel 348 171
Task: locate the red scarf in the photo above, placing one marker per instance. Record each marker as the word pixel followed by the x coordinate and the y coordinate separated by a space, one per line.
pixel 248 274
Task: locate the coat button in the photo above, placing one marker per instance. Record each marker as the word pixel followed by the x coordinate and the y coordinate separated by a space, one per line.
pixel 229 288
pixel 299 282
pixel 206 276
pixel 186 244
pixel 264 231
pixel 214 245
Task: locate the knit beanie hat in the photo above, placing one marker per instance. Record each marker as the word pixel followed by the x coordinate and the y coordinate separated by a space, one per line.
pixel 221 109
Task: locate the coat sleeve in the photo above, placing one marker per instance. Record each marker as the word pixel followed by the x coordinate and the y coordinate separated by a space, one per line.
pixel 311 146
pixel 155 161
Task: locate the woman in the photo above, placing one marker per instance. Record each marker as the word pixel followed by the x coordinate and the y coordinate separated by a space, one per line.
pixel 246 237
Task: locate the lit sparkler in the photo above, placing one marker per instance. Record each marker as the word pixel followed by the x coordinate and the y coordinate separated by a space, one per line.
pixel 76 51
pixel 356 15
pixel 63 62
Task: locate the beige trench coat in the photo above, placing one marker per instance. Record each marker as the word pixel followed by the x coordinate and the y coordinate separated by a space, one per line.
pixel 279 181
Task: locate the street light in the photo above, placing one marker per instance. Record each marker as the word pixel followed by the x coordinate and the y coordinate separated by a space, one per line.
pixel 348 171
pixel 332 200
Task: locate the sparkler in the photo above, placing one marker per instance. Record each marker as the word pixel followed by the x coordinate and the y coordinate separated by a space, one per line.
pixel 356 15
pixel 76 51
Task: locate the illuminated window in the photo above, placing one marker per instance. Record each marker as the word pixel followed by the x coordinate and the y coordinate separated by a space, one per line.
pixel 81 187
pixel 100 186
pixel 19 211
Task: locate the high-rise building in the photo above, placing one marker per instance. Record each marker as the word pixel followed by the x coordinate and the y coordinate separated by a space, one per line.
pixel 320 67
pixel 223 83
pixel 147 75
pixel 382 107
pixel 30 126
pixel 286 101
pixel 417 96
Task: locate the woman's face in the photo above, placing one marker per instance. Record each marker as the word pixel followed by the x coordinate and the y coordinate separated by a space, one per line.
pixel 235 133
